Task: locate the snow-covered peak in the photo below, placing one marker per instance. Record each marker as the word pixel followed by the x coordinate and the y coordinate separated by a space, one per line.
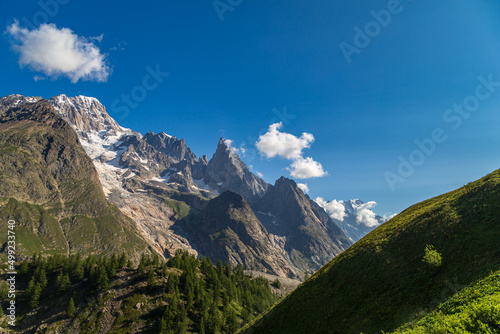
pixel 85 114
pixel 16 99
pixel 165 134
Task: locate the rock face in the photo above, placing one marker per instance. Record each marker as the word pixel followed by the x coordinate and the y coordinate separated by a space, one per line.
pixel 85 113
pixel 51 188
pixel 311 236
pixel 226 229
pixel 142 158
pixel 170 146
pixel 16 100
pixel 226 171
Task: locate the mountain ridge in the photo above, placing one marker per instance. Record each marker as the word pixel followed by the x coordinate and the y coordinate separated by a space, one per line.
pixel 157 180
pixel 50 187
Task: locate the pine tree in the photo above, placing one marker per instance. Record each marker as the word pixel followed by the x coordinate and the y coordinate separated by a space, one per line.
pixel 156 260
pixel 24 267
pixel 163 326
pixel 42 279
pixel 70 310
pixel 151 277
pixel 35 295
pixel 101 280
pixel 122 261
pixel 232 322
pixel 65 283
pixel 140 268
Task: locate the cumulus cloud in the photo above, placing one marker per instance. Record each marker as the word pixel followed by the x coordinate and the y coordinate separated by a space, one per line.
pixel 335 209
pixel 387 217
pixel 275 143
pixel 230 148
pixel 306 168
pixel 59 52
pixel 304 187
pixel 364 214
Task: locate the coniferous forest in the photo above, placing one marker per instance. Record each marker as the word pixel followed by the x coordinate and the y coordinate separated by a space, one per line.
pixel 185 294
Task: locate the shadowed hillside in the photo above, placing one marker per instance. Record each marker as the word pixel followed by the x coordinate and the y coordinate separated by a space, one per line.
pixel 400 271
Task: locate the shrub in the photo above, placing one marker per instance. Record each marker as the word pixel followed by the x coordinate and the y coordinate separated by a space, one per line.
pixel 432 257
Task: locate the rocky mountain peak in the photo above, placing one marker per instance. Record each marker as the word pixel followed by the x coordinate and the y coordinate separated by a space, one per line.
pixel 9 101
pixel 170 146
pixel 85 114
pixel 226 171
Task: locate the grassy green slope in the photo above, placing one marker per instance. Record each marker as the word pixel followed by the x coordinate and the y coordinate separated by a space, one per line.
pixel 381 282
pixel 475 309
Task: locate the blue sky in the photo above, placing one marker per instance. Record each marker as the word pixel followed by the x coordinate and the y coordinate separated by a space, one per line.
pixel 234 77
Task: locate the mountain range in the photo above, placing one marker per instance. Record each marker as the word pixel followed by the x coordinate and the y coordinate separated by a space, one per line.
pixel 212 207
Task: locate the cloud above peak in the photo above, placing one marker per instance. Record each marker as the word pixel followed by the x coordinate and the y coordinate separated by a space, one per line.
pixel 364 214
pixel 285 145
pixel 59 52
pixel 335 209
pixel 275 143
pixel 305 168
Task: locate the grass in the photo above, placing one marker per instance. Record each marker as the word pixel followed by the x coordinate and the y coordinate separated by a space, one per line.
pixel 382 282
pixel 40 230
pixel 181 209
pixel 475 309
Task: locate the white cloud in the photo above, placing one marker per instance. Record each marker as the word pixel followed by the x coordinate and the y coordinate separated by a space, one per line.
pixel 39 78
pixel 304 187
pixel 364 214
pixel 335 209
pixel 259 174
pixel 59 52
pixel 230 148
pixel 306 168
pixel 389 216
pixel 275 143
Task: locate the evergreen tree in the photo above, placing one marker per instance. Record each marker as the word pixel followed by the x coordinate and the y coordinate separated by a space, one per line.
pixel 42 278
pixel 62 282
pixel 156 260
pixel 122 261
pixel 70 310
pixel 140 268
pixel 35 294
pixel 163 326
pixel 232 322
pixel 100 278
pixel 24 267
pixel 151 278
